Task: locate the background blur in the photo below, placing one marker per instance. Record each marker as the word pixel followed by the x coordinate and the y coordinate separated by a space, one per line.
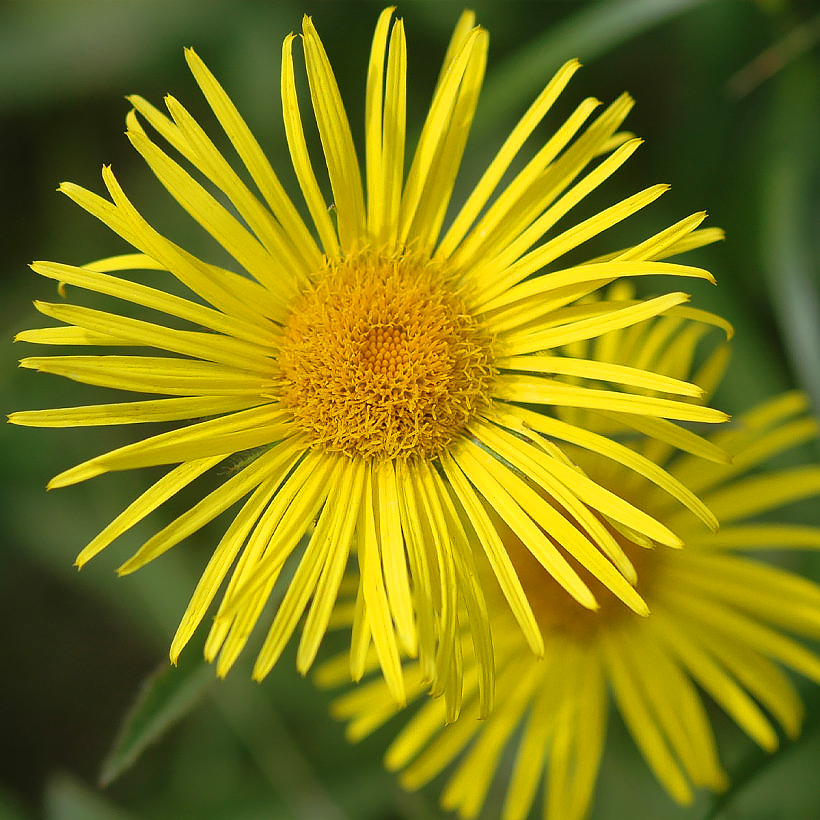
pixel 728 100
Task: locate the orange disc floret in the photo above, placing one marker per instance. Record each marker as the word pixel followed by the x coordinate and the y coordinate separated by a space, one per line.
pixel 381 359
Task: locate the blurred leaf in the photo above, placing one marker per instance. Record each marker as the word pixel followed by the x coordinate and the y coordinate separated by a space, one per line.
pixel 587 34
pixel 165 698
pixel 788 202
pixel 69 799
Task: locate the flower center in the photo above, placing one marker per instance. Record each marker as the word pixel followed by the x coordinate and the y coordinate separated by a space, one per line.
pixel 381 359
pixel 555 609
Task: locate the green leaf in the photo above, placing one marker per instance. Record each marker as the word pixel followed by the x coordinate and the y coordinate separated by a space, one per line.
pixel 789 202
pixel 166 697
pixel 587 34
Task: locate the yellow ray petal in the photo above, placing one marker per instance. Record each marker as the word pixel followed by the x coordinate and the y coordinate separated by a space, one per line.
pixel 425 580
pixel 599 370
pixel 393 557
pixel 222 436
pixel 535 743
pixel 553 523
pixel 496 554
pixel 69 336
pixel 760 536
pixel 268 465
pixel 135 412
pixel 215 219
pixel 373 117
pixel 467 788
pixel 393 137
pixel 327 589
pixel 502 160
pixel 433 130
pixel 254 158
pixel 234 353
pixel 753 496
pixel 530 341
pixel 337 141
pixel 313 562
pixel 220 563
pixel 299 155
pixel 546 391
pixel 491 482
pixel 152 374
pixel 642 725
pixel 441 176
pixel 555 428
pixel 159 300
pixel 292 261
pixel 168 486
pixel 377 608
pixel 707 671
pixel 440 559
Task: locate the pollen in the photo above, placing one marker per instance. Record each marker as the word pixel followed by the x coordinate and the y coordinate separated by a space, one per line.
pixel 381 359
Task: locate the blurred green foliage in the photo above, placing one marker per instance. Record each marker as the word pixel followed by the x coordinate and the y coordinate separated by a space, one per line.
pixel 728 100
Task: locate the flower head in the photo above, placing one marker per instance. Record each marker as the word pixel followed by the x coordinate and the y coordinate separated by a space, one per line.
pixel 373 367
pixel 719 622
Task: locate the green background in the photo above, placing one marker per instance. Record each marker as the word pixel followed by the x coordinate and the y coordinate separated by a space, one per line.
pixel 728 100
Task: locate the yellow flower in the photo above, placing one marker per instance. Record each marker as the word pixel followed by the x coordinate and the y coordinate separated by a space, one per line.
pixel 380 362
pixel 718 622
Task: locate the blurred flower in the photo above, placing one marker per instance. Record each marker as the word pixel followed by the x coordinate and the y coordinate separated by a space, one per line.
pixel 380 364
pixel 718 620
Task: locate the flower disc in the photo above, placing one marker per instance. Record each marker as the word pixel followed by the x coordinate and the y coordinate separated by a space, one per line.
pixel 381 359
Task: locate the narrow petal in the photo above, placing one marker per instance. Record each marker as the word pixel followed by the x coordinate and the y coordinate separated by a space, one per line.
pixel 757 495
pixel 375 596
pixel 434 130
pixel 394 560
pixel 560 530
pixel 299 155
pixel 502 160
pixel 601 445
pixel 337 141
pixel 642 724
pixel 256 162
pixel 588 272
pixel 317 555
pixel 135 412
pixel 705 669
pixel 220 563
pixel 167 487
pixel 152 374
pixel 216 502
pixel 529 390
pixel 393 138
pixel 159 300
pixel 600 371
pixel 222 436
pixel 496 554
pixel 441 176
pixel 373 117
pixel 531 341
pixel 327 589
pixel 209 346
pixel 491 482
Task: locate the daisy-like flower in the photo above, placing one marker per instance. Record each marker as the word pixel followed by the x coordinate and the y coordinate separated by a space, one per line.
pixel 373 364
pixel 719 622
